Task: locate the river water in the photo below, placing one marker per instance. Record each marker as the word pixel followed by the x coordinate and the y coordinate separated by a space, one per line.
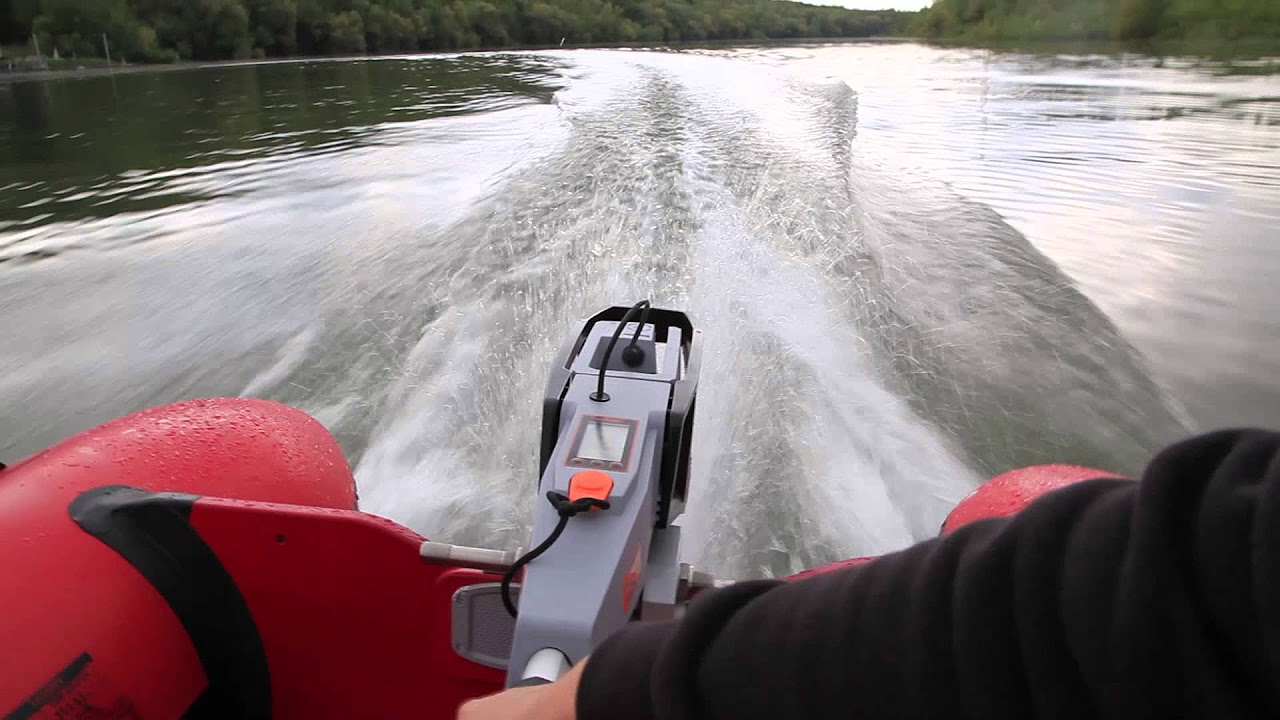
pixel 915 267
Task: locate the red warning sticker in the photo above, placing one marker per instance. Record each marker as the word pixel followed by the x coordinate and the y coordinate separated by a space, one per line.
pixel 76 693
pixel 631 581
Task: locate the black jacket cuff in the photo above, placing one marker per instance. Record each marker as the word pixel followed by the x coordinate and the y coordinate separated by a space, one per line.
pixel 615 684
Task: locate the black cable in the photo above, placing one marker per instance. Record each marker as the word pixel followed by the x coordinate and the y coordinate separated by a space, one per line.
pixel 633 354
pixel 566 509
pixel 525 560
pixel 644 318
pixel 600 395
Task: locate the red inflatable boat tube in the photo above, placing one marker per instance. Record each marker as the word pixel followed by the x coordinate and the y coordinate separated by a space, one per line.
pixel 128 595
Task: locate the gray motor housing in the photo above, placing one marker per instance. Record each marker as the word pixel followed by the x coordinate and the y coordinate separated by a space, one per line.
pixel 680 408
pixel 590 582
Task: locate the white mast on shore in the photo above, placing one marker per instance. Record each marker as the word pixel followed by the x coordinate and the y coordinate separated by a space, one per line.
pixel 39 58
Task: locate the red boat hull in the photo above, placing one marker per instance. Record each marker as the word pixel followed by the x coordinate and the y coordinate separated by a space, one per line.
pixel 206 559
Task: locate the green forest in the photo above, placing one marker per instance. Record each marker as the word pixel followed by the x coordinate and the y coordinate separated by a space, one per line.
pixel 1197 21
pixel 169 30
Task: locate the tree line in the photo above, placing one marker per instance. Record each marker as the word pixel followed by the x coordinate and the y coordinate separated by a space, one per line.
pixel 167 30
pixel 1223 21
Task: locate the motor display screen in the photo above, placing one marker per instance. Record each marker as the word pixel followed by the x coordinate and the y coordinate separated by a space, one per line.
pixel 603 440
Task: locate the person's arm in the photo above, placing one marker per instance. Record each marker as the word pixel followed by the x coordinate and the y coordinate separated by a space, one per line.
pixel 1104 599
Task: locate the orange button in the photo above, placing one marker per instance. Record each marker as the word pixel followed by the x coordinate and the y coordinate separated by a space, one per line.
pixel 590 484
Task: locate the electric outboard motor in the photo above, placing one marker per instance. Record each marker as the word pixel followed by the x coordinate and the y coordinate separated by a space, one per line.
pixel 616 428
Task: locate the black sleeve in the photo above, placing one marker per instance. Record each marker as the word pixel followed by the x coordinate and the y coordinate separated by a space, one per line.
pixel 1109 598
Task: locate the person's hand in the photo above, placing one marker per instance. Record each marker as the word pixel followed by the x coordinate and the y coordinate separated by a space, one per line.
pixel 542 702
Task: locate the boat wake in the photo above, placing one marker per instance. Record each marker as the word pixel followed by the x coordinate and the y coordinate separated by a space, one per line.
pixel 876 345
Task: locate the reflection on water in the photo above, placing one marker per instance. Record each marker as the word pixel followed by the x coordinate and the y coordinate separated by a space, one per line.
pixel 99 147
pixel 915 267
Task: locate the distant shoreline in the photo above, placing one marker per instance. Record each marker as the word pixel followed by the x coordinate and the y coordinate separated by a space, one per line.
pixel 94 70
pixel 1271 61
pixel 100 69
